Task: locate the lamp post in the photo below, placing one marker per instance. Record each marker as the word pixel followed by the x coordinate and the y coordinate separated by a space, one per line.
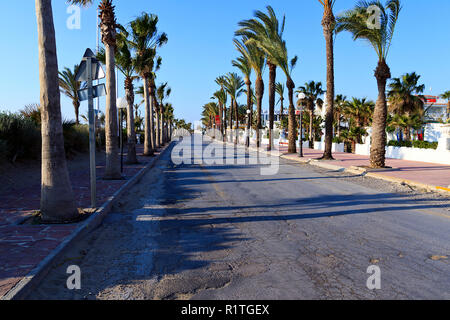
pixel 301 97
pixel 121 105
pixel 247 135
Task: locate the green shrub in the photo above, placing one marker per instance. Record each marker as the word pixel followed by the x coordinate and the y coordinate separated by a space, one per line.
pixel 76 137
pixel 425 144
pixel 337 140
pixel 21 137
pixel 399 144
pixel 414 144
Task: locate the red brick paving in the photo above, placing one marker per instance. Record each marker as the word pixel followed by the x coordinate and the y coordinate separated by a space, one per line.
pixel 421 172
pixel 23 247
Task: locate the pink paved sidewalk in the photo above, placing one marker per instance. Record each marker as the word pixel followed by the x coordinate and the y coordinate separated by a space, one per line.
pixel 426 173
pixel 23 247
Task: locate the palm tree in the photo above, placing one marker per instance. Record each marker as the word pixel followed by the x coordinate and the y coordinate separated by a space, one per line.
pixel 312 90
pixel 380 37
pixel 446 95
pixel 267 33
pixel 221 97
pixel 280 88
pixel 210 110
pixel 145 39
pixel 360 111
pixel 221 81
pixel 234 86
pixel 328 25
pixel 108 27
pixel 256 59
pixel 162 93
pixel 405 94
pixel 69 87
pixel 57 199
pixel 125 64
pixel 169 116
pixel 338 109
pixel 243 65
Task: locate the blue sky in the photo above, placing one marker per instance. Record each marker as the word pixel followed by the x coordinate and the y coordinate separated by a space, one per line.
pixel 200 47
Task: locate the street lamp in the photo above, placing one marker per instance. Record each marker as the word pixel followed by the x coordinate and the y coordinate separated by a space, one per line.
pixel 301 97
pixel 247 135
pixel 122 104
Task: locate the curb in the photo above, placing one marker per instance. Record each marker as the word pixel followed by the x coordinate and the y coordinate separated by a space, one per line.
pixel 35 276
pixel 364 172
pixel 358 171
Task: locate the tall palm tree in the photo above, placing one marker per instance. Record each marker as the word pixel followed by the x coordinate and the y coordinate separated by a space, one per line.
pixel 446 95
pixel 267 33
pixel 328 25
pixel 125 64
pixel 169 116
pixel 380 37
pixel 243 65
pixel 221 81
pixel 338 109
pixel 280 88
pixel 145 39
pixel 69 87
pixel 221 97
pixel 57 200
pixel 108 27
pixel 210 110
pixel 234 86
pixel 256 59
pixel 313 91
pixel 163 91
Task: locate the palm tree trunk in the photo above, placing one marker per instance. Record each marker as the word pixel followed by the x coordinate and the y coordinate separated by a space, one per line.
pixel 158 129
pixel 311 122
pixel 162 139
pixel 112 169
pixel 259 92
pixel 224 124
pixel 378 147
pixel 221 118
pixel 57 200
pixel 236 115
pixel 108 29
pixel 231 120
pixel 148 148
pixel 153 107
pixel 76 106
pixel 249 108
pixel 281 108
pixel 272 80
pixel 291 130
pixel 328 23
pixel 131 132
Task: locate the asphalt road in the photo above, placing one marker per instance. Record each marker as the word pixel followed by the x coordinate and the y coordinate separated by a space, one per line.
pixel 226 232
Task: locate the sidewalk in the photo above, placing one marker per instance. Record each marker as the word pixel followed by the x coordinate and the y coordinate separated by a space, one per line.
pixel 24 246
pixel 430 175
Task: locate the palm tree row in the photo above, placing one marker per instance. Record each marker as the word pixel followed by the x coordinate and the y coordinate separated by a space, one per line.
pixel 261 40
pixel 134 51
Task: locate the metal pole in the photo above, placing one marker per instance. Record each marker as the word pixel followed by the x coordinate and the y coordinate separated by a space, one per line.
pixel 301 134
pixel 91 133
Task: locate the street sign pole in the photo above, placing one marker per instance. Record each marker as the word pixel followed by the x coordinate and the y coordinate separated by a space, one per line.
pixel 90 70
pixel 91 133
